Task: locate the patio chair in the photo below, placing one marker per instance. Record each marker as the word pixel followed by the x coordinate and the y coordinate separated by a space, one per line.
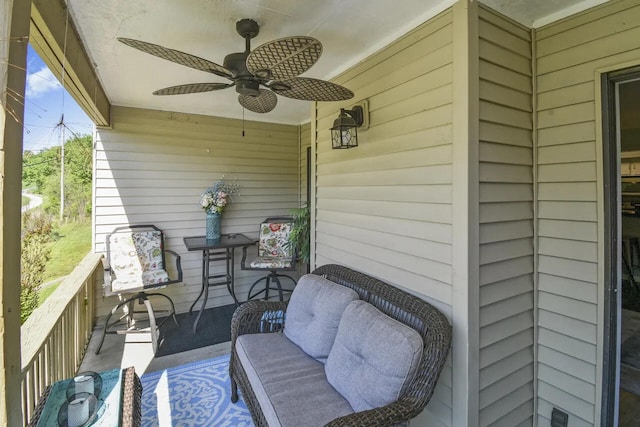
pixel 134 264
pixel 274 255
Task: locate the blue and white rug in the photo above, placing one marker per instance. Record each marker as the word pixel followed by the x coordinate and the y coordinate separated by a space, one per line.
pixel 196 394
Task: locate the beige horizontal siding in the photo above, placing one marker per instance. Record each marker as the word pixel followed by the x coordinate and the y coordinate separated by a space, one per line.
pixel 568 53
pixel 152 166
pixel 401 172
pixel 506 223
pixel 385 207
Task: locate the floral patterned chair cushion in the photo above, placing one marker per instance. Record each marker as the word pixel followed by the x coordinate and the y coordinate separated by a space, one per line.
pixel 273 253
pixel 270 262
pixel 136 260
pixel 273 239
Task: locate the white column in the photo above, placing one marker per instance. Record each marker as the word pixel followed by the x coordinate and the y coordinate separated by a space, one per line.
pixel 14 32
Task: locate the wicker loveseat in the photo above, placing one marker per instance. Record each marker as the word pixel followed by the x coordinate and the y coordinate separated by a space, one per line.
pixel 317 381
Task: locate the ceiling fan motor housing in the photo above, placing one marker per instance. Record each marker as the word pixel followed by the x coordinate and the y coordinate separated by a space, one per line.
pixel 246 84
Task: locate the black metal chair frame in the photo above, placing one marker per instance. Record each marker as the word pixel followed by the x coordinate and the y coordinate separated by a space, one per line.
pixel 138 294
pixel 274 275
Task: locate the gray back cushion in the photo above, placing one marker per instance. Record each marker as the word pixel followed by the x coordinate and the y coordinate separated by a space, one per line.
pixel 314 313
pixel 373 358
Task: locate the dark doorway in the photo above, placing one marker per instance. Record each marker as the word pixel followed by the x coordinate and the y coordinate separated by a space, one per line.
pixel 621 160
pixel 308 200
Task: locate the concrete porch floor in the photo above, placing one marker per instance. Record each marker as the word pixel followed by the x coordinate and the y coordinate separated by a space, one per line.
pixel 122 351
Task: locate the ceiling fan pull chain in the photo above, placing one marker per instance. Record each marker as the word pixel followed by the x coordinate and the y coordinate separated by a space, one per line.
pixel 243 122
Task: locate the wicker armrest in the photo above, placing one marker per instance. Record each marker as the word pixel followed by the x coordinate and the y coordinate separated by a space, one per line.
pixel 248 318
pixel 131 409
pixel 389 415
pixel 37 412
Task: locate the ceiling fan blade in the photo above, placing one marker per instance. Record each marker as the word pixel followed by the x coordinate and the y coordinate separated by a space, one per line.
pixel 178 57
pixel 263 103
pixel 309 89
pixel 284 58
pixel 192 88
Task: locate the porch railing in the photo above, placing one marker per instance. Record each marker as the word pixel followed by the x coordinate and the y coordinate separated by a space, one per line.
pixel 55 336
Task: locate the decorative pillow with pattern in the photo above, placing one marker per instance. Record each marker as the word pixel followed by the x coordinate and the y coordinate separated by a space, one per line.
pixel 136 260
pixel 273 237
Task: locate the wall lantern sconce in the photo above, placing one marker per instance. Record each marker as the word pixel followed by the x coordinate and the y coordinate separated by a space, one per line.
pixel 344 133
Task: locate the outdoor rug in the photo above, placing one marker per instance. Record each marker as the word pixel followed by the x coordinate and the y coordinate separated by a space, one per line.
pixel 214 327
pixel 192 395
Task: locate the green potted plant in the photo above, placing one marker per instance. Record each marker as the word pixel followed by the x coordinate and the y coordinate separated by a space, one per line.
pixel 300 237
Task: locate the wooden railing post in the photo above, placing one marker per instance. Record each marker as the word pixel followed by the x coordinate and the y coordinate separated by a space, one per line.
pixel 56 335
pixel 14 35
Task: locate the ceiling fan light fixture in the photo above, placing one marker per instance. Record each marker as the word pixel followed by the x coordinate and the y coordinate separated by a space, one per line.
pixel 263 103
pixel 248 87
pixel 344 133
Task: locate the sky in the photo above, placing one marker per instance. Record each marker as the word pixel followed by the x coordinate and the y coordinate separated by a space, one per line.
pixel 45 102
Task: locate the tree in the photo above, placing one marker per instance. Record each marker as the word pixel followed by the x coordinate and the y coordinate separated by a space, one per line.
pixel 79 159
pixel 37 167
pixel 36 233
pixel 78 177
pixel 41 171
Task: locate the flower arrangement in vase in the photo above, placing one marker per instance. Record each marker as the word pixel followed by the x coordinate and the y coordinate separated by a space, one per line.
pixel 214 200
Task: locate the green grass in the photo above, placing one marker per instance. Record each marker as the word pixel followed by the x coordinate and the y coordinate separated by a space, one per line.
pixel 71 246
pixel 45 293
pixel 25 201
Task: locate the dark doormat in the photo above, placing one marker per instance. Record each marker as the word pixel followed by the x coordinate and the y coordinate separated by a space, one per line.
pixel 214 327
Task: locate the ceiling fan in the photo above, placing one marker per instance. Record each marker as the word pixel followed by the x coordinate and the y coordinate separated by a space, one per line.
pixel 275 66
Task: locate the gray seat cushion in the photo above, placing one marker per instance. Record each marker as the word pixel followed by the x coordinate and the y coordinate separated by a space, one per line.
pixel 373 358
pixel 314 313
pixel 290 386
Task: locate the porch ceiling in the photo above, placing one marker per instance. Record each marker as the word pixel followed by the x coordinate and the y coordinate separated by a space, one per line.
pixel 349 31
